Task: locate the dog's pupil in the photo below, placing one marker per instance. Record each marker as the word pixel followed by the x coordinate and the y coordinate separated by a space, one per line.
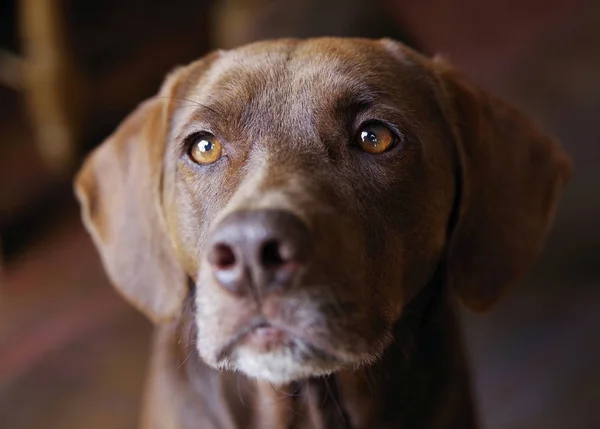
pixel 369 136
pixel 205 146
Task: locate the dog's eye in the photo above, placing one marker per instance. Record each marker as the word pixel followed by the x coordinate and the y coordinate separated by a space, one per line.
pixel 375 138
pixel 206 149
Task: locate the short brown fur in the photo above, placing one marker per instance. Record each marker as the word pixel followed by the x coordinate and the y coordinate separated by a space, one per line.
pixel 462 202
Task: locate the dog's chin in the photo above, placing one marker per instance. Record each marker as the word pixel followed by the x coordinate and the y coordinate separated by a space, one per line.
pixel 278 362
pixel 279 353
pixel 283 358
pixel 279 366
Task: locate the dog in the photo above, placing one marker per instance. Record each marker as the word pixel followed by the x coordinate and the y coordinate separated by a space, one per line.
pixel 297 217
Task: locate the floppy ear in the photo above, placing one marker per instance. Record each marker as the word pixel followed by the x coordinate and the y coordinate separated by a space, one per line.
pixel 119 189
pixel 510 178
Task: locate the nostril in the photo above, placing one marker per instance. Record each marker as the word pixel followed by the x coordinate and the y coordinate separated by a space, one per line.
pixel 273 255
pixel 262 249
pixel 222 257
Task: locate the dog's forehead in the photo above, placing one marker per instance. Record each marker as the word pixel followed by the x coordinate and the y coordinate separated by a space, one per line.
pixel 315 71
pixel 320 59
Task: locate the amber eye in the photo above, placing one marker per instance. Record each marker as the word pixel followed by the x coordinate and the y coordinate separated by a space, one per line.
pixel 375 138
pixel 206 149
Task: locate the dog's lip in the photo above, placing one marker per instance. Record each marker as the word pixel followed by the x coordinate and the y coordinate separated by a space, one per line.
pixel 322 350
pixel 265 337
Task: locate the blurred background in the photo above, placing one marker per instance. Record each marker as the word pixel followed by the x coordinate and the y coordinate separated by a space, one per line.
pixel 73 354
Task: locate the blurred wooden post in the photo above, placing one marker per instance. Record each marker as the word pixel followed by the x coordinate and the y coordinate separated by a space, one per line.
pixel 52 85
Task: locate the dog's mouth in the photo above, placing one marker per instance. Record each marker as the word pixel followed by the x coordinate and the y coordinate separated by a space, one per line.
pixel 280 348
pixel 262 336
pixel 278 353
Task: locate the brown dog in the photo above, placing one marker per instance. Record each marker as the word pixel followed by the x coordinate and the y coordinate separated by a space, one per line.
pixel 292 215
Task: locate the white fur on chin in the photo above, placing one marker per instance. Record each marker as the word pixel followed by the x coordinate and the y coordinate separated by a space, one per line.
pixel 278 366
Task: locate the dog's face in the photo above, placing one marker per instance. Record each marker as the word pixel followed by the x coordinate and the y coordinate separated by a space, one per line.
pixel 309 190
pixel 318 139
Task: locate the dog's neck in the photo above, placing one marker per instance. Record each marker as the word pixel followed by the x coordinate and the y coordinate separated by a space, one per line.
pixel 420 382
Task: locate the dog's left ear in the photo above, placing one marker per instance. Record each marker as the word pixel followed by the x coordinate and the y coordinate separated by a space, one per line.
pixel 119 189
pixel 510 177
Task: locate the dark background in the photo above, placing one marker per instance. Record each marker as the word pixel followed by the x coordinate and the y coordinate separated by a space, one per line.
pixel 73 353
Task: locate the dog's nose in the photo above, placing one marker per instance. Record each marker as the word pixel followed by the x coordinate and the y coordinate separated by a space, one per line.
pixel 262 249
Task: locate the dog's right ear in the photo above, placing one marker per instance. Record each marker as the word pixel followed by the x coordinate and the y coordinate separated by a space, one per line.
pixel 119 189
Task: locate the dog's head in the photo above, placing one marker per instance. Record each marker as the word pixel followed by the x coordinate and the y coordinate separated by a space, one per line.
pixel 309 189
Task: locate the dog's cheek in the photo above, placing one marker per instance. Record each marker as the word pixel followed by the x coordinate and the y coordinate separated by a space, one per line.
pixel 433 204
pixel 208 331
pixel 413 211
pixel 190 212
pixel 210 323
pixel 389 286
pixel 359 274
pixel 219 316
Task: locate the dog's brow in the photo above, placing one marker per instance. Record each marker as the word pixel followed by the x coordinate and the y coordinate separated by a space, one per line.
pixel 204 113
pixel 201 109
pixel 359 95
